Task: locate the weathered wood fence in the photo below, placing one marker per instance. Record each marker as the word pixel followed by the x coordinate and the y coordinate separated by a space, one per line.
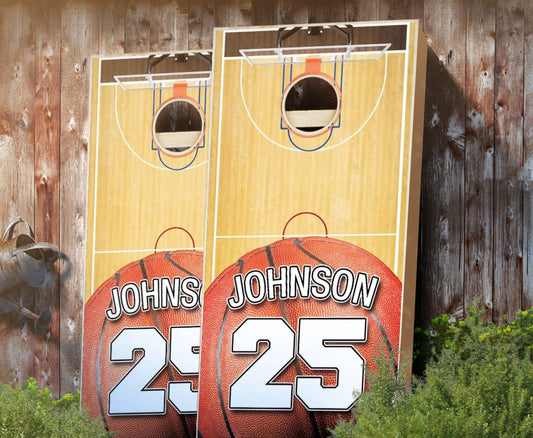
pixel 477 206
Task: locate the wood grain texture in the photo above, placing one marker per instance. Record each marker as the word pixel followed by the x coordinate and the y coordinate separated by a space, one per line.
pixel 168 25
pixel 112 27
pixel 17 172
pixel 79 40
pixel 233 13
pixel 201 22
pixel 364 10
pixel 442 232
pixel 479 153
pixel 527 170
pixel 47 169
pixel 401 9
pixel 137 27
pixel 263 12
pixel 508 158
pixel 292 11
pixel 326 12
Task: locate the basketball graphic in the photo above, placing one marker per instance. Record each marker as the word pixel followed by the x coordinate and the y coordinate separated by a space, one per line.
pixel 141 339
pixel 290 330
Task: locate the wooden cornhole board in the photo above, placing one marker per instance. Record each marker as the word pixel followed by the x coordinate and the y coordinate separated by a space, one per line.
pixel 310 183
pixel 147 188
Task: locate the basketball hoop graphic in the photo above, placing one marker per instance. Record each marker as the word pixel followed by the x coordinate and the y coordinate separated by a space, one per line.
pixel 310 104
pixel 178 124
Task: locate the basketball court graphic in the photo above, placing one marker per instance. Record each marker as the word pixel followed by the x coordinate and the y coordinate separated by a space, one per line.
pixel 145 238
pixel 138 189
pixel 363 159
pixel 312 220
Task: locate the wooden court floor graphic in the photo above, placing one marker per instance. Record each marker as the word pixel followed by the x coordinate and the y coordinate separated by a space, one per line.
pixel 276 179
pixel 135 191
pixel 145 236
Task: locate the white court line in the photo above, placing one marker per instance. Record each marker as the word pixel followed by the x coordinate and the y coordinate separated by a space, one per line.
pixel 208 172
pixel 292 148
pixel 126 142
pixel 280 236
pixel 407 42
pixel 123 251
pixel 96 175
pixel 402 147
pixel 218 158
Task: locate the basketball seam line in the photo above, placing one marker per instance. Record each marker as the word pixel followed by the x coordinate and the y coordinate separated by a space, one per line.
pixel 219 350
pixel 374 316
pixel 275 244
pixel 184 424
pixel 98 361
pixel 168 256
pixel 297 364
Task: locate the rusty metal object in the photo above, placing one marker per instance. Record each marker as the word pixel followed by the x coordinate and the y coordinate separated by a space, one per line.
pixel 23 263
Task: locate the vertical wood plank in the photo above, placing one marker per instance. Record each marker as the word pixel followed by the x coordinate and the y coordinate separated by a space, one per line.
pixel 479 152
pixel 332 11
pixel 137 27
pixel 508 157
pixel 112 27
pixel 388 10
pixel 527 174
pixel 292 12
pixel 47 217
pixel 363 10
pixel 201 22
pixel 16 171
pixel 401 9
pixel 79 40
pixel 263 12
pixel 441 270
pixel 233 13
pixel 169 23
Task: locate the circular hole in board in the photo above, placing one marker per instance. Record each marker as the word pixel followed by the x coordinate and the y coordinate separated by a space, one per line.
pixel 311 104
pixel 178 127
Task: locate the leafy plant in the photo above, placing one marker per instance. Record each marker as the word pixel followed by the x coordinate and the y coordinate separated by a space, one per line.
pixel 479 383
pixel 29 412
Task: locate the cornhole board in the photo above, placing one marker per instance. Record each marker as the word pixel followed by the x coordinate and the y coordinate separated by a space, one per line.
pixel 145 238
pixel 312 225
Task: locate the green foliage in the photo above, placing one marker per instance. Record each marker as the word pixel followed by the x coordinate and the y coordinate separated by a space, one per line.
pixel 478 384
pixel 30 412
